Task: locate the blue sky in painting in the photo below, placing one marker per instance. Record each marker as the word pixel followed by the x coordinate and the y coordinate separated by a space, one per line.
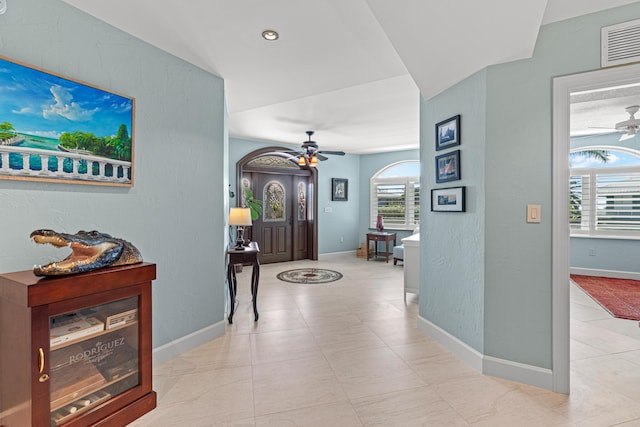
pixel 42 104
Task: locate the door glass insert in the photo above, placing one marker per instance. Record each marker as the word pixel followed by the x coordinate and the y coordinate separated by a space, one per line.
pixel 94 356
pixel 246 184
pixel 302 201
pixel 274 197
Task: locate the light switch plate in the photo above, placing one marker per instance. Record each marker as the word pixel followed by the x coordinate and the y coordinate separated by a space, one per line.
pixel 3 6
pixel 534 213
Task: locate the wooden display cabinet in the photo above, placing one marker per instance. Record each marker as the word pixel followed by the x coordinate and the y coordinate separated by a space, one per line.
pixel 76 350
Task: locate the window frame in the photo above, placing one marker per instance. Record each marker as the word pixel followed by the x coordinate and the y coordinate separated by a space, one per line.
pixel 592 214
pixel 411 183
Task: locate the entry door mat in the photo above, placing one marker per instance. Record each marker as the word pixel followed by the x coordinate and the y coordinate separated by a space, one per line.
pixel 309 275
pixel 620 297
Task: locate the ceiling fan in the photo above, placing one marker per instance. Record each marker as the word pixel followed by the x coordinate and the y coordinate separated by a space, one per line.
pixel 629 127
pixel 310 153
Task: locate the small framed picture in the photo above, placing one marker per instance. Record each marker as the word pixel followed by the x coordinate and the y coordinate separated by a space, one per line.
pixel 448 167
pixel 448 133
pixel 339 189
pixel 448 199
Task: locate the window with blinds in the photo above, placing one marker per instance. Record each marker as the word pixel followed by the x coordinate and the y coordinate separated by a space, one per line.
pixel 605 203
pixel 396 197
pixel 392 203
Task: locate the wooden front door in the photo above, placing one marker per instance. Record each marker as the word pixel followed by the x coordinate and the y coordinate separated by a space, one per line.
pixel 274 229
pixel 287 229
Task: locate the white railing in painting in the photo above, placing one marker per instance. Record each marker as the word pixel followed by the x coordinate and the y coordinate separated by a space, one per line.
pixel 119 167
pixel 12 141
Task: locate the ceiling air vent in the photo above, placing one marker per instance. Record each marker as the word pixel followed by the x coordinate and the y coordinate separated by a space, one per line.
pixel 621 43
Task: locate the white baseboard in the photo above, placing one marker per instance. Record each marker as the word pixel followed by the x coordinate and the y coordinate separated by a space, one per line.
pixel 168 351
pixel 605 273
pixel 352 251
pixel 488 365
pixel 469 355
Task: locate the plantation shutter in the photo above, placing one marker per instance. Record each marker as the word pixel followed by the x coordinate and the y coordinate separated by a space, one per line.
pixel 414 213
pixel 604 203
pixel 391 203
pixel 579 196
pixel 618 201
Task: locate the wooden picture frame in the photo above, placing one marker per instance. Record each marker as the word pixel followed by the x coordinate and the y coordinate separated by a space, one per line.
pixel 448 199
pixel 448 133
pixel 448 167
pixel 57 129
pixel 339 189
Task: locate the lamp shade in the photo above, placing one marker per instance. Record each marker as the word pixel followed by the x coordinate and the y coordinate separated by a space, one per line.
pixel 240 216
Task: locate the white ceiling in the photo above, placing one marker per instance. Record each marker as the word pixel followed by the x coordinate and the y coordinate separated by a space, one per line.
pixel 350 70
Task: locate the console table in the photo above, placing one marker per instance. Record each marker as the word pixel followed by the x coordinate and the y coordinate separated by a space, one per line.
pixel 381 237
pixel 248 256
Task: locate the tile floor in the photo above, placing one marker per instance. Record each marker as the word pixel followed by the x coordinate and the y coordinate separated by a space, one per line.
pixel 349 353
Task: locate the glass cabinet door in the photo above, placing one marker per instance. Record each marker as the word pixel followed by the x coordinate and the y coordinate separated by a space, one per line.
pixel 94 356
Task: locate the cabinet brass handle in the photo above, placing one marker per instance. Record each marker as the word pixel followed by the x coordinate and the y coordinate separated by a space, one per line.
pixel 40 360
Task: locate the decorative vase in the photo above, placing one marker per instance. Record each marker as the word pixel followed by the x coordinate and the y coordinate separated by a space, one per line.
pixel 379 225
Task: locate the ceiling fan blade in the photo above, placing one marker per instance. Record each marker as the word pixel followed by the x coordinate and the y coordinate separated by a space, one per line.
pixel 335 153
pixel 626 136
pixel 321 157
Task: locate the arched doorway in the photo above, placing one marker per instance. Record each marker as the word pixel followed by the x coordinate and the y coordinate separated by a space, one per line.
pixel 287 230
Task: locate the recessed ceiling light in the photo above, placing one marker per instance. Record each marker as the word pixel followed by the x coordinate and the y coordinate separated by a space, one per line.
pixel 270 35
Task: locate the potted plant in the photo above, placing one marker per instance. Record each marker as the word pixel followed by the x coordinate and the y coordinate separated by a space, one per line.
pixel 254 205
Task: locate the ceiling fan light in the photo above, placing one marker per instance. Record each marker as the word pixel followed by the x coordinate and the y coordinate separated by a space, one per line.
pixel 302 161
pixel 314 161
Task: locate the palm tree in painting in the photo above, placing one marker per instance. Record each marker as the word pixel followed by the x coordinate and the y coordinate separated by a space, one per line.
pixel 121 144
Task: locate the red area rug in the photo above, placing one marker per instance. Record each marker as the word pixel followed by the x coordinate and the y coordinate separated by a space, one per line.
pixel 620 297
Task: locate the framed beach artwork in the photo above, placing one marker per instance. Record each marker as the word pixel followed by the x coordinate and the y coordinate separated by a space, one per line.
pixel 57 129
pixel 448 133
pixel 448 167
pixel 448 199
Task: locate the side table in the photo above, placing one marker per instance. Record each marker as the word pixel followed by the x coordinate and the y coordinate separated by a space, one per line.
pixel 381 237
pixel 248 256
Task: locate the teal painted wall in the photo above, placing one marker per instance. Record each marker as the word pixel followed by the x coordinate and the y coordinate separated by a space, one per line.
pixel 174 213
pixel 605 254
pixel 338 229
pixel 517 160
pixel 452 244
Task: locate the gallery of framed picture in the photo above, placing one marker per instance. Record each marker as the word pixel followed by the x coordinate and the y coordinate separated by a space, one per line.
pixel 448 133
pixel 448 199
pixel 339 189
pixel 447 167
pixel 57 129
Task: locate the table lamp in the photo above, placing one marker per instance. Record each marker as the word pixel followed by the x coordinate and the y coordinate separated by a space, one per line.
pixel 240 217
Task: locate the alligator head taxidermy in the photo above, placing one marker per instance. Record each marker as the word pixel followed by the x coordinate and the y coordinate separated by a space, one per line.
pixel 91 250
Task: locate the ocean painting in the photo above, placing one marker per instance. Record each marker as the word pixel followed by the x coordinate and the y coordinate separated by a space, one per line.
pixel 448 133
pixel 56 129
